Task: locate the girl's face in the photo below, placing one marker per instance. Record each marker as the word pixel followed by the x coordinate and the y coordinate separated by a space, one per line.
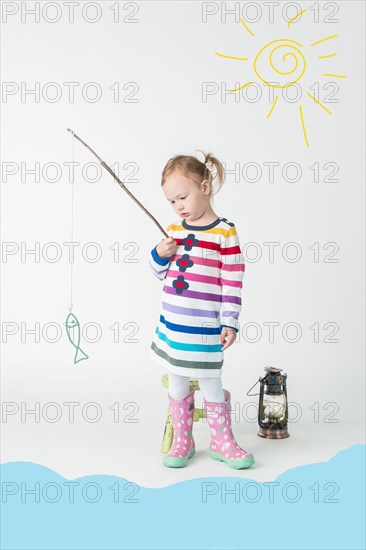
pixel 189 200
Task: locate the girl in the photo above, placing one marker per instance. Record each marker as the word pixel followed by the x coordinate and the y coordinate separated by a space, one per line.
pixel 202 268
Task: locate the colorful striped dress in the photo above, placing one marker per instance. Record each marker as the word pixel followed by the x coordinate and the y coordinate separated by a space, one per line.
pixel 201 293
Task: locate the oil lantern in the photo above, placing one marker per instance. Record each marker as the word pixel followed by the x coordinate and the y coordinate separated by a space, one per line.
pixel 273 404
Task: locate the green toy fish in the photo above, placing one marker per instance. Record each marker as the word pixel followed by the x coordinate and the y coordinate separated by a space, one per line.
pixel 71 323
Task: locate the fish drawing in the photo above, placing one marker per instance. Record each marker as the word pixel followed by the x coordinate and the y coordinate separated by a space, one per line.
pixel 71 323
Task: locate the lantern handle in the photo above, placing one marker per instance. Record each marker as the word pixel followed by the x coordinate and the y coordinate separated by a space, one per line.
pixel 253 394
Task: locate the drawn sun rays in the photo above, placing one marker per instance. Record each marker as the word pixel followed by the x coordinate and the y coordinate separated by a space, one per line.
pixel 288 69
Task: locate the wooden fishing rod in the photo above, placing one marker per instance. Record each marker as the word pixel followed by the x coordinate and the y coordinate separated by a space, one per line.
pixel 120 183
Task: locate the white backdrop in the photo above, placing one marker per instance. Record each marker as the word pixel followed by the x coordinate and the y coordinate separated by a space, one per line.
pixel 160 58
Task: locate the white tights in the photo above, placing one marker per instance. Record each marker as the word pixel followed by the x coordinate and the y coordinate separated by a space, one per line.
pixel 211 388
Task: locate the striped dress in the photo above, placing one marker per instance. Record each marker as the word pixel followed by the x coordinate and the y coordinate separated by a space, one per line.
pixel 201 293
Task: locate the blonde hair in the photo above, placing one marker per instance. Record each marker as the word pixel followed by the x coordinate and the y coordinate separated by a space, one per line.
pixel 210 169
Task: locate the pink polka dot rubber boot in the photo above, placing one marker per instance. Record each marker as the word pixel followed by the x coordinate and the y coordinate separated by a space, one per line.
pixel 223 446
pixel 183 446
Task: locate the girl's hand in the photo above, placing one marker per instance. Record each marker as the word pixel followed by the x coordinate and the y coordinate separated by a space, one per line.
pixel 229 334
pixel 166 248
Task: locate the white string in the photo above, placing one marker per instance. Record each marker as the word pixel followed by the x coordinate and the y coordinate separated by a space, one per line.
pixel 72 220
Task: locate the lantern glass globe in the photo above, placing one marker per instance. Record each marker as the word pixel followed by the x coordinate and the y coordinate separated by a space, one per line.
pixel 274 407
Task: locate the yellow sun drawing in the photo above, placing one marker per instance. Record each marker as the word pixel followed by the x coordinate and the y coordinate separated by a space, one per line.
pixel 296 69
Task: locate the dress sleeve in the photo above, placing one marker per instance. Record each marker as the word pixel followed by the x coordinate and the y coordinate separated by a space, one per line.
pixel 231 279
pixel 159 266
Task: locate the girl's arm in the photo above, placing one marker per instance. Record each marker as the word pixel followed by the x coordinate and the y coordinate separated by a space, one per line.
pixel 232 274
pixel 159 266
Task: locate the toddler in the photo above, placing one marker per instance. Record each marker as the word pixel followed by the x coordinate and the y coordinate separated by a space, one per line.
pixel 202 268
